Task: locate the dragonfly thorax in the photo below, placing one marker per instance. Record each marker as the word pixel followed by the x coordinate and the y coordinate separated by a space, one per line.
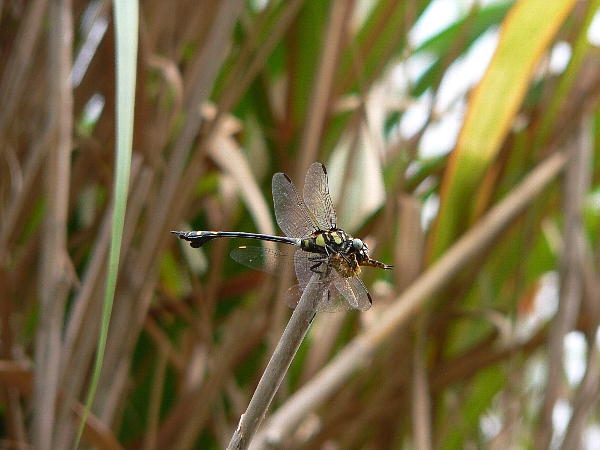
pixel 330 242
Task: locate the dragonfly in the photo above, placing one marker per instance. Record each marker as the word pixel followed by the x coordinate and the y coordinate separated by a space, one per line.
pixel 327 261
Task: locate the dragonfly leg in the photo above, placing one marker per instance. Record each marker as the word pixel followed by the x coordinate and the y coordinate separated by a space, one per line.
pixel 319 261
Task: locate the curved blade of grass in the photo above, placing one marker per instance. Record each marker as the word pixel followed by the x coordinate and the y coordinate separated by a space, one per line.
pixel 563 90
pixel 486 17
pixel 526 34
pixel 126 38
pixel 467 29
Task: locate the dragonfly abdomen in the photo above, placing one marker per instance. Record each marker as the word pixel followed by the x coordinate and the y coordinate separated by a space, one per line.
pixel 199 238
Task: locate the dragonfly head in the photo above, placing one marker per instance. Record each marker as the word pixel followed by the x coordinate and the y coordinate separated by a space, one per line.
pixel 359 245
pixel 361 249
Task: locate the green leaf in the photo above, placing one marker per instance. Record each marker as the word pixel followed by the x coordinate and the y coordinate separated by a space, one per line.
pixel 526 35
pixel 126 38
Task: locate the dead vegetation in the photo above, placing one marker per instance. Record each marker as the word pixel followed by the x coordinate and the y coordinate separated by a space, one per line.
pixel 229 93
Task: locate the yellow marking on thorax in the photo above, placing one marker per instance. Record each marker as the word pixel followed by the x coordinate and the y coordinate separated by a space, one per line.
pixel 320 240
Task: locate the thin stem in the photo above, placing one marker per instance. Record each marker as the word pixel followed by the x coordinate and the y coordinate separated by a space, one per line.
pixel 269 383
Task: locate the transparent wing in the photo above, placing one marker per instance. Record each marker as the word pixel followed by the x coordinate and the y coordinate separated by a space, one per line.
pixel 323 288
pixel 317 198
pixel 354 292
pixel 264 259
pixel 317 296
pixel 291 213
pixel 293 295
pixel 303 261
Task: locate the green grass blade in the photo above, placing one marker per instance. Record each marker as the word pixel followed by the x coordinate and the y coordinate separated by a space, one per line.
pixel 492 108
pixel 126 32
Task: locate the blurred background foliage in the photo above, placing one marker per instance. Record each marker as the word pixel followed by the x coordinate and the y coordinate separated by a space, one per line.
pixel 434 119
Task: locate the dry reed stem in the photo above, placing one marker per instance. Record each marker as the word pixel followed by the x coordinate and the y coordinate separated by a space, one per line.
pixel 17 67
pixel 421 391
pixel 253 56
pixel 273 375
pixel 54 278
pixel 321 93
pixel 576 185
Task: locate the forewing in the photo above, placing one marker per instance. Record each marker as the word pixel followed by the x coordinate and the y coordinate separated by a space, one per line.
pixel 317 198
pixel 291 213
pixel 264 259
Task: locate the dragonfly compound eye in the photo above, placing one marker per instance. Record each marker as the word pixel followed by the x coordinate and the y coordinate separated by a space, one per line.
pixel 358 244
